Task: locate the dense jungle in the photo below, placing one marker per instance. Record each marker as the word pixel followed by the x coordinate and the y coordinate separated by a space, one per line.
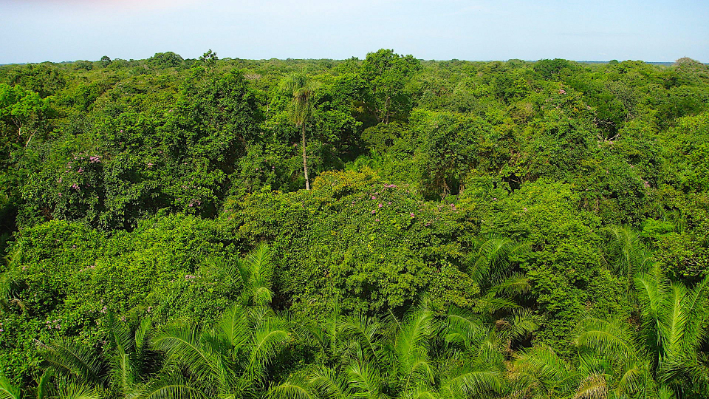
pixel 385 227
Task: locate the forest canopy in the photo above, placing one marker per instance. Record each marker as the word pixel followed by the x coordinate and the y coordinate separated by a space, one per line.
pixel 382 228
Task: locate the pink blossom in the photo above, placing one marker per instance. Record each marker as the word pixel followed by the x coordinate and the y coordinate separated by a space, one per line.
pixel 380 205
pixel 373 212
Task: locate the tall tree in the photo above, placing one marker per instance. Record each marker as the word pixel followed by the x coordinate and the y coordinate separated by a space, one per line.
pixel 387 75
pixel 302 88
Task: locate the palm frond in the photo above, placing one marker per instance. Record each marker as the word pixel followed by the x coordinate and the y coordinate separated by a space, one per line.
pixel 296 387
pixel 665 392
pixel 490 304
pixel 515 285
pixel 697 308
pixel 607 338
pixel 183 346
pixel 421 392
pixel 9 288
pixel 170 386
pixel 141 336
pixel 592 387
pixel 7 389
pixel 72 390
pixel 673 326
pixel 633 379
pixel 366 332
pixel 522 323
pixel 267 340
pixel 540 368
pixel 624 252
pixel 464 327
pixel 259 263
pixel 234 324
pixel 411 342
pixel 474 383
pixel 44 384
pixel 364 379
pixel 652 288
pixel 329 384
pixel 77 360
pixel 492 260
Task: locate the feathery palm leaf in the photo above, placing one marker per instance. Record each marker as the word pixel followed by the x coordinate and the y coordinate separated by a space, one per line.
pixel 183 345
pixel 515 285
pixel 610 338
pixel 365 332
pixel 170 385
pixel 467 383
pixel 76 360
pixel 77 391
pixel 297 387
pixel 7 389
pixel 540 369
pixel 330 384
pixel 410 346
pixel 592 387
pixel 44 384
pixel 267 340
pixel 256 271
pixel 365 380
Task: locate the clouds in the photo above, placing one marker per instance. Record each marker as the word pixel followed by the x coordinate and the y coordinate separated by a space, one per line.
pixel 432 29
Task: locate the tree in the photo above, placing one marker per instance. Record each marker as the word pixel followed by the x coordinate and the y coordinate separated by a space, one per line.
pixel 666 355
pixel 24 110
pixel 387 75
pixel 402 358
pixel 165 60
pixel 302 89
pixel 229 360
pixel 209 59
pixel 120 367
pixel 105 61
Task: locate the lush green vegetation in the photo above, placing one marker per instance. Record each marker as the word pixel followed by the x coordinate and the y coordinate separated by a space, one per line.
pixel 377 228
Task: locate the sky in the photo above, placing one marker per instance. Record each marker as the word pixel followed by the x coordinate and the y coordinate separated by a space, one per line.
pixel 476 30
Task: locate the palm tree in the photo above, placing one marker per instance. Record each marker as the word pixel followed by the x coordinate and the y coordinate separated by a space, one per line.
pixel 231 359
pixel 624 253
pixel 665 357
pixel 403 358
pixel 255 271
pixel 302 89
pixel 79 370
pixel 227 361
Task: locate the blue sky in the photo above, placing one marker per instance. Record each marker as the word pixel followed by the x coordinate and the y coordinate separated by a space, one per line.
pixel 65 30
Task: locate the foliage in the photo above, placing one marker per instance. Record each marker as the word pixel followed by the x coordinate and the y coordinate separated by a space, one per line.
pixel 473 229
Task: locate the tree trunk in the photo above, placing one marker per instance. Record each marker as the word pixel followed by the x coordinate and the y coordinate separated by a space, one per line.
pixel 305 160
